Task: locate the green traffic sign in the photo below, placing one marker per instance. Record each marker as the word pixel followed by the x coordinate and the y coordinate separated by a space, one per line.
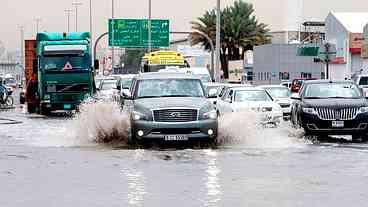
pixel 133 33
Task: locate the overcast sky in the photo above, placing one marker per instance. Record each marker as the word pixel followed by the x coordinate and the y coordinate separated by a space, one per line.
pixel 15 13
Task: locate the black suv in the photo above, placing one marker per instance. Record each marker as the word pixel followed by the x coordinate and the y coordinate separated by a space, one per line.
pixel 331 108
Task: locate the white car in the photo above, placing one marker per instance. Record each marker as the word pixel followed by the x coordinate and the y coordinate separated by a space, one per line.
pixel 282 96
pixel 200 72
pixel 106 90
pixel 243 98
pixel 211 87
pixel 362 81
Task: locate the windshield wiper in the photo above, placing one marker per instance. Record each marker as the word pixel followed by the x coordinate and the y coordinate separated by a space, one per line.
pixel 178 96
pixel 149 96
pixel 314 97
pixel 342 97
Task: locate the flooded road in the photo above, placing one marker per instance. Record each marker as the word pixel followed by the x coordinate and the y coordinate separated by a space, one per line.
pixel 56 162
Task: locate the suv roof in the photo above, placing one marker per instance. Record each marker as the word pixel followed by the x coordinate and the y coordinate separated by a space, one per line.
pixel 168 75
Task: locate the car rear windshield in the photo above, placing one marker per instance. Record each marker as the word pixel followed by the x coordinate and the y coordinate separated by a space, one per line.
pixel 248 95
pixel 332 90
pixel 279 92
pixel 108 85
pixel 363 81
pixel 170 88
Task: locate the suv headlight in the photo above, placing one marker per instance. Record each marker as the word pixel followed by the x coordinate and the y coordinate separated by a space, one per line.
pixel 138 116
pixel 309 111
pixel 363 110
pixel 210 115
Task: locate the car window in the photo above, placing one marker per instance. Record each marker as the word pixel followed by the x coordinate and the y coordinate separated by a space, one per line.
pixel 229 96
pixel 363 81
pixel 279 92
pixel 252 95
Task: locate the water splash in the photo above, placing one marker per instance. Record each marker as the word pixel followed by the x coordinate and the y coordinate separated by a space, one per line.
pixel 102 122
pixel 243 129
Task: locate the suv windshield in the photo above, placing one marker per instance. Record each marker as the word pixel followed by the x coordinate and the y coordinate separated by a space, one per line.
pixel 279 92
pixel 170 88
pixel 334 90
pixel 242 96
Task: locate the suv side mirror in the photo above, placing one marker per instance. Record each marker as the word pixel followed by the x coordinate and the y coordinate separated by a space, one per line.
pixel 295 96
pixel 212 93
pixel 118 87
pixel 127 94
pixel 96 65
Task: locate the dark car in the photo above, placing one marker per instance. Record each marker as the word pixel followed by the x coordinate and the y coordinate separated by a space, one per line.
pixel 170 107
pixel 331 108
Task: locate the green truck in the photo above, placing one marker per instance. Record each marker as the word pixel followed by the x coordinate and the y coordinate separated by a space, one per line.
pixel 59 72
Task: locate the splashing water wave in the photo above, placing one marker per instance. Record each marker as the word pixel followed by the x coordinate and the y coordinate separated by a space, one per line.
pixel 102 122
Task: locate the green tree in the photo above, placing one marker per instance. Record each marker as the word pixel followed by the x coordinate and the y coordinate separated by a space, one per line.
pixel 240 31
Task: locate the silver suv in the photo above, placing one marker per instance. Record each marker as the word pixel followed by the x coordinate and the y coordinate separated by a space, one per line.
pixel 170 107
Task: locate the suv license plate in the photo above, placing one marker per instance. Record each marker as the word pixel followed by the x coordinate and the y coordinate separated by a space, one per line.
pixel 176 138
pixel 338 124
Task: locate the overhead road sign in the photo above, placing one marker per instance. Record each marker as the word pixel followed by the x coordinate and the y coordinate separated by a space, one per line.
pixel 133 33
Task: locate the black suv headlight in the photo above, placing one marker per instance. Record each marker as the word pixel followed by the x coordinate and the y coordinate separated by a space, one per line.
pixel 363 110
pixel 310 111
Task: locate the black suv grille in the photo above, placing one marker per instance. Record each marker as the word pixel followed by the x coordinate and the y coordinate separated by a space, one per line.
pixel 175 115
pixel 337 114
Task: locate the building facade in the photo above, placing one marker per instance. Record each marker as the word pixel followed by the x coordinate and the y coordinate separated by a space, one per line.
pixel 345 31
pixel 274 63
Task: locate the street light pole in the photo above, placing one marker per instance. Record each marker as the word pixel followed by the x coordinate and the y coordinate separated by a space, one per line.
pixel 38 20
pixel 76 4
pixel 149 25
pixel 218 40
pixel 68 11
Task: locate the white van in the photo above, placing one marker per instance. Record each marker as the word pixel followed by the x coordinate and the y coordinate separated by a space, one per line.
pixel 201 72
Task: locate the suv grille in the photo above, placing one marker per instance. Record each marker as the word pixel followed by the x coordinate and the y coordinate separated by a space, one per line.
pixel 337 114
pixel 175 115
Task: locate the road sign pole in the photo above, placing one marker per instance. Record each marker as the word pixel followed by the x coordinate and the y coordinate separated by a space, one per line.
pixel 112 37
pixel 149 25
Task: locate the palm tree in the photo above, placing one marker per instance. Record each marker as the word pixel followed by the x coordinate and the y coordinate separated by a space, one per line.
pixel 240 31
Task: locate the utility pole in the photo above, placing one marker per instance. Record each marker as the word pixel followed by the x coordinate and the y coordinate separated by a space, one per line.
pixel 22 46
pixel 37 20
pixel 149 25
pixel 68 11
pixel 76 4
pixel 112 35
pixel 327 60
pixel 90 23
pixel 218 40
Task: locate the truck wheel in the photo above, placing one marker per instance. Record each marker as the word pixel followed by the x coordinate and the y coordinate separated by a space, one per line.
pixel 22 100
pixel 31 108
pixel 44 111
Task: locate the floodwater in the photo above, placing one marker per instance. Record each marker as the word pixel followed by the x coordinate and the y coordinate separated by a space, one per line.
pixel 63 161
